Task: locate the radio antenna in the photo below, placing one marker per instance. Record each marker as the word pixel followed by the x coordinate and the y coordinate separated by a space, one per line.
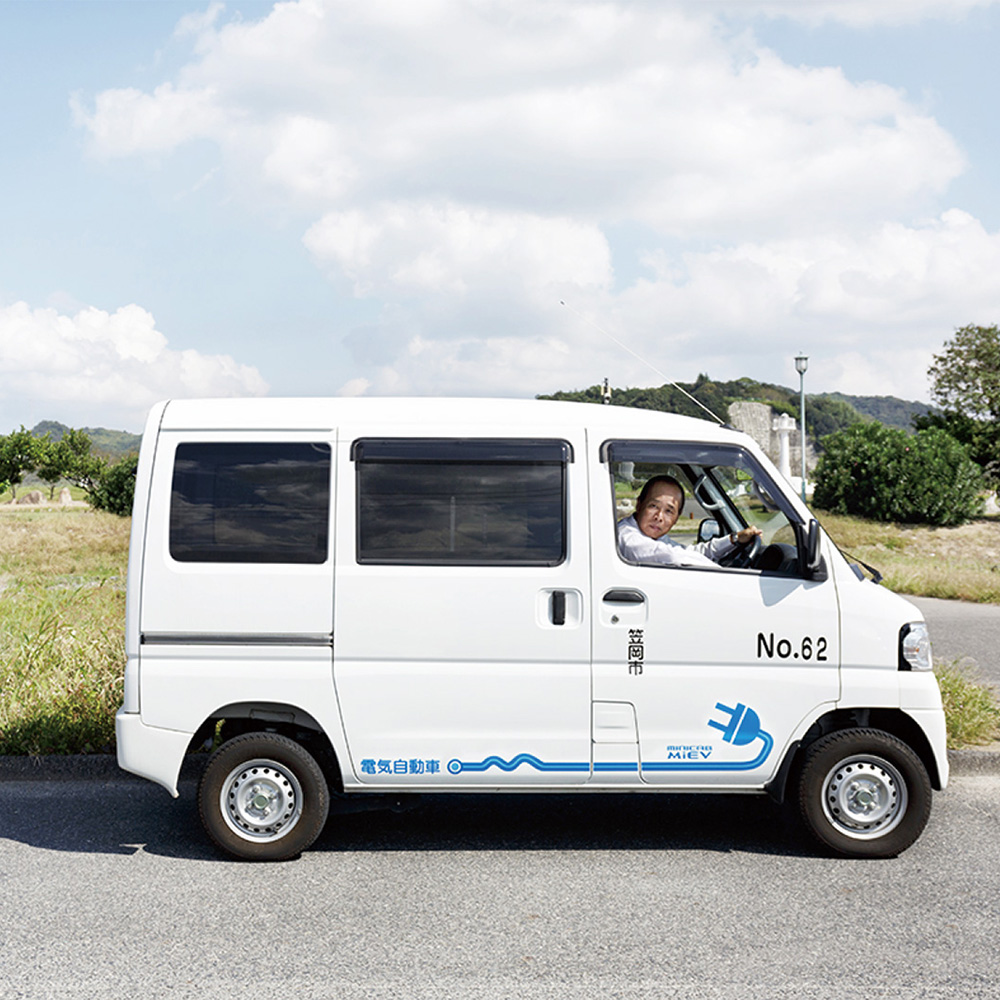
pixel 639 357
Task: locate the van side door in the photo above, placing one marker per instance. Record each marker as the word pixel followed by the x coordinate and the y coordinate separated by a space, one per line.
pixel 724 655
pixel 461 632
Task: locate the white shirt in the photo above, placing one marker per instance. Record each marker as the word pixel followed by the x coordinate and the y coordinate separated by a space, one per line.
pixel 640 548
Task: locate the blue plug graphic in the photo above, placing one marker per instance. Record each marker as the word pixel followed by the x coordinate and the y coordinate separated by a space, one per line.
pixel 743 726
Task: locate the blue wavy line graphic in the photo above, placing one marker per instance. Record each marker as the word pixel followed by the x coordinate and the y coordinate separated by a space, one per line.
pixel 508 766
pixel 458 766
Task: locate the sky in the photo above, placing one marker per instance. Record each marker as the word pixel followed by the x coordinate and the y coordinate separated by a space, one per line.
pixel 488 197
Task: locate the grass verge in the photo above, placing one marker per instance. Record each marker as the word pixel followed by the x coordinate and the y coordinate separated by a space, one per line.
pixel 62 615
pixel 961 563
pixel 970 708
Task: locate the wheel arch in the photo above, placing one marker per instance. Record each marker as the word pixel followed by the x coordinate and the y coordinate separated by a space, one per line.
pixel 282 718
pixel 894 721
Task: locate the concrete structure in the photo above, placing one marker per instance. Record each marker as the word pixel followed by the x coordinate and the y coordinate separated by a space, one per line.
pixel 760 422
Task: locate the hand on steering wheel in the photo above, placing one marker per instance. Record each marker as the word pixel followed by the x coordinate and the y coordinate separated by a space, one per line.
pixel 744 554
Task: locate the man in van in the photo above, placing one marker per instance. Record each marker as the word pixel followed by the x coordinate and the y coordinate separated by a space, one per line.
pixel 642 538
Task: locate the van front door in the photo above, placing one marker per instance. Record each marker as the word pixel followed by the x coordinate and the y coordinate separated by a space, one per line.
pixel 720 651
pixel 461 632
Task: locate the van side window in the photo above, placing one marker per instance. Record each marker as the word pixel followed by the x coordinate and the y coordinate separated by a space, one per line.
pixel 724 491
pixel 461 501
pixel 250 503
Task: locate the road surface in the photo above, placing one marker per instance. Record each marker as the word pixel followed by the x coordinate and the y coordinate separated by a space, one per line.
pixel 109 890
pixel 960 629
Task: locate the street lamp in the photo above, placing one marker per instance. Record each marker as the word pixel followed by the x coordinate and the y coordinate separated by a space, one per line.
pixel 801 364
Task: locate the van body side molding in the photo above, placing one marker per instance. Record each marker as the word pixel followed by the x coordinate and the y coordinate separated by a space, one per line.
pixel 236 639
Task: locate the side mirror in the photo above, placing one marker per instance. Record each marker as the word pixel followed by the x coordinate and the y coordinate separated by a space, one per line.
pixel 708 528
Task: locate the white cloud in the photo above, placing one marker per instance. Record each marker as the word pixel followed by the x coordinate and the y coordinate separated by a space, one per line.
pixel 129 121
pixel 72 368
pixel 469 165
pixel 200 22
pixel 305 158
pixel 606 112
pixel 870 310
pixel 419 248
pixel 354 387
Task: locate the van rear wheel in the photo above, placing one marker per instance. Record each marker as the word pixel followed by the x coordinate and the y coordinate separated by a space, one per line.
pixel 864 793
pixel 263 797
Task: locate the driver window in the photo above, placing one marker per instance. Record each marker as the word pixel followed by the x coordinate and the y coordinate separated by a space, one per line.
pixel 698 507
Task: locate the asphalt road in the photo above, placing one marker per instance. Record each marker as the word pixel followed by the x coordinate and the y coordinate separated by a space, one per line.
pixel 109 889
pixel 962 630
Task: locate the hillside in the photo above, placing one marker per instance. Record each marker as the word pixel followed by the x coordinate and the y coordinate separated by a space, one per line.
pixel 887 410
pixel 823 415
pixel 825 412
pixel 107 443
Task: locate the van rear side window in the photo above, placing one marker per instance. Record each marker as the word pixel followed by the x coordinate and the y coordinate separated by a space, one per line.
pixel 250 503
pixel 461 502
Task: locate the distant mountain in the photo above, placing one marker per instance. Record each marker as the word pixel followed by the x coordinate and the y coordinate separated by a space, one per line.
pixel 111 444
pixel 825 412
pixel 886 410
pixel 823 416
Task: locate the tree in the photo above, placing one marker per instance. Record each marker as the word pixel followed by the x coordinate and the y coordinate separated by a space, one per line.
pixel 48 466
pixel 116 487
pixel 80 467
pixel 68 458
pixel 965 381
pixel 18 455
pixel 965 377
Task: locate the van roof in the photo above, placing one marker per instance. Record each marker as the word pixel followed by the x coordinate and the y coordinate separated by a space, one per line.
pixel 522 416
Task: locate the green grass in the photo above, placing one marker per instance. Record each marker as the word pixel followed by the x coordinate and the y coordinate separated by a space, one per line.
pixel 62 615
pixel 970 707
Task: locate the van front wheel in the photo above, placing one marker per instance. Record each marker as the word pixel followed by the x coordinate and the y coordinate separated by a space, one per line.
pixel 263 797
pixel 864 793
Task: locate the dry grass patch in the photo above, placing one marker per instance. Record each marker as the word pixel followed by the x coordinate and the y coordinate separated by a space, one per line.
pixel 961 563
pixel 62 614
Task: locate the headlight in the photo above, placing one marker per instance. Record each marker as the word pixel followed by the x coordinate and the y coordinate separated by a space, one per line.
pixel 915 647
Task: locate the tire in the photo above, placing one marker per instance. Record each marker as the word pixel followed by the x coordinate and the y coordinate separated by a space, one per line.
pixel 864 793
pixel 262 797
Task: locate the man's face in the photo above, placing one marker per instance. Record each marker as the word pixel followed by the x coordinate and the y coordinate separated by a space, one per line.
pixel 660 511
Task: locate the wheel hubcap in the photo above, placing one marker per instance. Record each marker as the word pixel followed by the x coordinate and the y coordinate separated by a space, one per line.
pixel 261 800
pixel 864 797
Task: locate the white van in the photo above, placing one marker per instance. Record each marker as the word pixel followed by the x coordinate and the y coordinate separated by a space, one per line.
pixel 406 595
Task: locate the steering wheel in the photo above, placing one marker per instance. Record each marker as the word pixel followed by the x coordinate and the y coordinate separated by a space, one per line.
pixel 743 556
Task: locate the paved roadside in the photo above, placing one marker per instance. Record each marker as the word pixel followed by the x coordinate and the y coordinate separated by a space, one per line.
pixel 964 631
pixel 104 767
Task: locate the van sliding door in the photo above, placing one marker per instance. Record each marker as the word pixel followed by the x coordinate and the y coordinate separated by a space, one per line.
pixel 462 650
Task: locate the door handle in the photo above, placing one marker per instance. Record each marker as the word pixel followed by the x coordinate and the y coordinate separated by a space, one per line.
pixel 623 597
pixel 558 607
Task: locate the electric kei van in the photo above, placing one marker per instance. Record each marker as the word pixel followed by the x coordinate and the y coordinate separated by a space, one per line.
pixel 351 596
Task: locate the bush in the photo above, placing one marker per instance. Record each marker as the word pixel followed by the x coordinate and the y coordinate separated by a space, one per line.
pixel 884 474
pixel 115 487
